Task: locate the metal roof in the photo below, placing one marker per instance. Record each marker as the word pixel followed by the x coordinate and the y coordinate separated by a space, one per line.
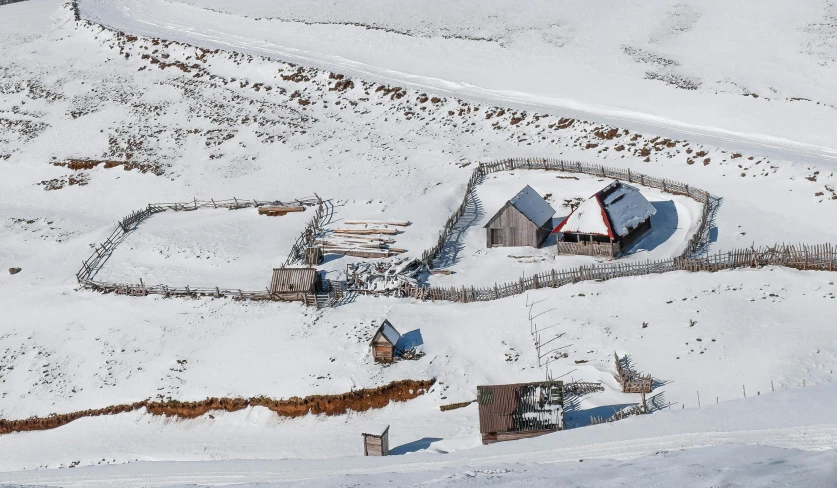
pixel 388 331
pixel 613 211
pixel 531 205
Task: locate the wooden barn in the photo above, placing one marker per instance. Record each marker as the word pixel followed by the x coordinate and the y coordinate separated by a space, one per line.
pixel 296 284
pixel 384 342
pixel 376 441
pixel 606 223
pixel 525 220
pixel 518 411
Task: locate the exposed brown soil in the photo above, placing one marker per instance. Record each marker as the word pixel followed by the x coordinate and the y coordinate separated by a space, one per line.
pixel 86 164
pixel 358 401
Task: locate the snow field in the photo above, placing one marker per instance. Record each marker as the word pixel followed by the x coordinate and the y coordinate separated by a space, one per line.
pixel 205 248
pixel 797 419
pixel 70 93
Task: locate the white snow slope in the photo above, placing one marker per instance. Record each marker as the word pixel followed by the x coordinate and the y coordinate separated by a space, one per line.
pixel 681 69
pixel 94 125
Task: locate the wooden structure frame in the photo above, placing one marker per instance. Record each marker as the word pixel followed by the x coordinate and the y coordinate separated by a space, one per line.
pixel 525 220
pixel 383 343
pixel 295 284
pixel 519 411
pixel 376 444
pixel 610 240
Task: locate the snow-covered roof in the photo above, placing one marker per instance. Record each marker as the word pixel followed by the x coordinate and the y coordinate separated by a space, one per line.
pixel 388 331
pixel 614 211
pixel 532 205
pixel 374 429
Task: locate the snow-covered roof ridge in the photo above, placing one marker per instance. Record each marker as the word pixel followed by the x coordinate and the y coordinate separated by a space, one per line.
pixel 388 331
pixel 614 211
pixel 532 205
pixel 626 206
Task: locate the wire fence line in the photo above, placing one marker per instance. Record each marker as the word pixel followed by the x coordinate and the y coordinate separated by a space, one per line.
pixel 697 244
pixel 803 256
pixel 91 266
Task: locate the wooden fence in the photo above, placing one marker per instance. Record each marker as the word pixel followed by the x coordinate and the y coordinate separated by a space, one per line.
pixel 309 235
pixel 816 257
pixel 696 244
pixel 102 252
pixel 630 381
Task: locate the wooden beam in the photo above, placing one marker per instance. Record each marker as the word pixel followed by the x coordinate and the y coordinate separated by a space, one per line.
pixel 390 232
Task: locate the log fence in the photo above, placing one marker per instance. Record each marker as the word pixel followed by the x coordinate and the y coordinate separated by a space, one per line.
pixel 803 257
pixel 697 244
pixel 102 252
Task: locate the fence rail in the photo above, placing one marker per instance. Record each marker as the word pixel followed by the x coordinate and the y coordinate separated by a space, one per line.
pixel 805 257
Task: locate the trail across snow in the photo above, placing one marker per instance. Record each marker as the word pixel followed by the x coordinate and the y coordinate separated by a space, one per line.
pixel 521 78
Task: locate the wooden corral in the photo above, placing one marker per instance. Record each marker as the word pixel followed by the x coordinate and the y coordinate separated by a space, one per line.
pixel 518 411
pixel 295 284
pixel 376 441
pixel 525 220
pixel 383 343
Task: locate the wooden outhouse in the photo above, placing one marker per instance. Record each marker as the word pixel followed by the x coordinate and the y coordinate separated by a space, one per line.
pixel 525 220
pixel 606 223
pixel 384 343
pixel 376 441
pixel 295 284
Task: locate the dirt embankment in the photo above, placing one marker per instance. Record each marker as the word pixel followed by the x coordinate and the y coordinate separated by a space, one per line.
pixel 358 401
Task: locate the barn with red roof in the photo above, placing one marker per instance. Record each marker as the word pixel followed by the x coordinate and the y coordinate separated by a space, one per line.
pixel 606 223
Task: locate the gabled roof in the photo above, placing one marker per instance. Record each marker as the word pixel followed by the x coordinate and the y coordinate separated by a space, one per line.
pixel 388 332
pixel 531 205
pixel 613 212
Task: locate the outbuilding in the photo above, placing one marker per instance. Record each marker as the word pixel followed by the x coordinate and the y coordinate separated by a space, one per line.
pixel 606 223
pixel 525 220
pixel 376 440
pixel 384 343
pixel 295 284
pixel 519 411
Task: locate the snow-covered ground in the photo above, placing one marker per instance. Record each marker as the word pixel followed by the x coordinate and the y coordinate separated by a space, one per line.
pixel 472 263
pixel 221 124
pixel 208 247
pixel 686 69
pixel 717 445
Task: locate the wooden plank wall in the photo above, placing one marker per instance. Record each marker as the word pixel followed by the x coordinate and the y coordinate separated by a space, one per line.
pixel 517 229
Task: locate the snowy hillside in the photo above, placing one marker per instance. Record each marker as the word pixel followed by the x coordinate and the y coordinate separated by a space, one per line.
pixel 383 110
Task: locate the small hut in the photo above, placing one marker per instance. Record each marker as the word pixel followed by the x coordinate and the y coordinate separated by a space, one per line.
pixel 525 220
pixel 606 223
pixel 519 411
pixel 376 441
pixel 383 343
pixel 295 284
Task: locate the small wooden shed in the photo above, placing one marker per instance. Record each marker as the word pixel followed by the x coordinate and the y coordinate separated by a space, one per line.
pixel 384 342
pixel 525 220
pixel 295 284
pixel 376 441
